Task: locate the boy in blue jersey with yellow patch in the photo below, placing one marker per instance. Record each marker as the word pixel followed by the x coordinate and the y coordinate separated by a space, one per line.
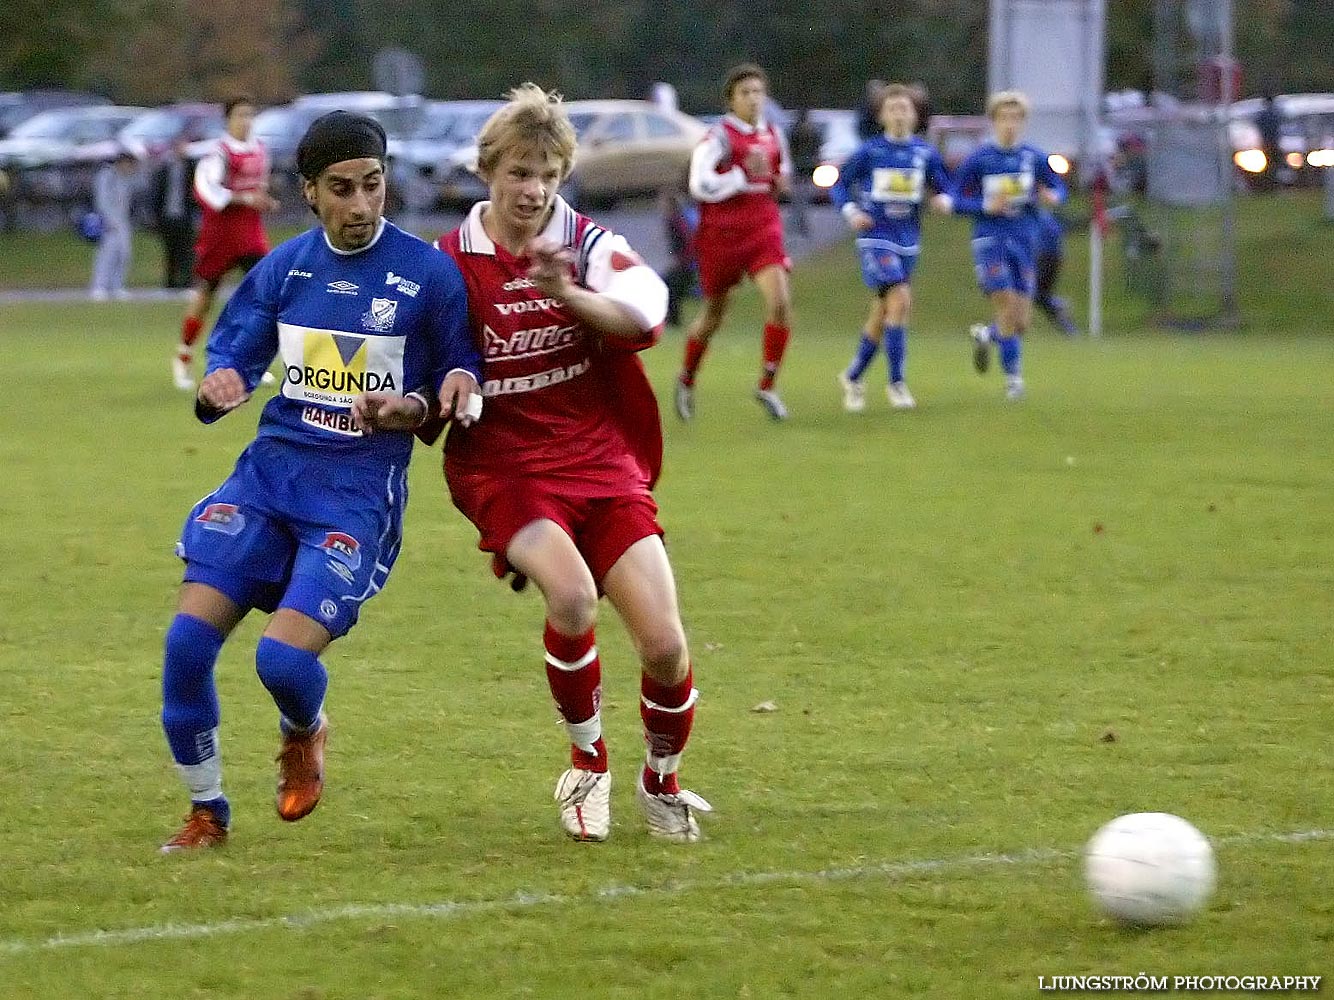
pixel 1002 185
pixel 880 190
pixel 371 325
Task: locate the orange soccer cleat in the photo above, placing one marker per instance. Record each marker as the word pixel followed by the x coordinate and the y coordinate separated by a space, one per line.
pixel 202 829
pixel 301 772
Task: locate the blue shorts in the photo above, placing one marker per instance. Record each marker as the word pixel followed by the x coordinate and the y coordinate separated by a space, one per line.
pixel 1005 263
pixel 885 264
pixel 294 528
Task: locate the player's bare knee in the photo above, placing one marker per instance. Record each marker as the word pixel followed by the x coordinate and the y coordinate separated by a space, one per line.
pixel 664 656
pixel 572 606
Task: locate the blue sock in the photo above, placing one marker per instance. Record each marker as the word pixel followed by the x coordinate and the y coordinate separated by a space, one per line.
pixel 1009 354
pixel 993 332
pixel 190 711
pixel 297 680
pixel 896 348
pixel 866 349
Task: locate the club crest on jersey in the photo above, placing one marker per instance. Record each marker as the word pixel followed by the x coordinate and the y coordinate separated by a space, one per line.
pixel 344 548
pixel 408 288
pixel 225 518
pixel 380 317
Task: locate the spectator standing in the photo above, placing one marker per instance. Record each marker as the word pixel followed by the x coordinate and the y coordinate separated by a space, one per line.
pixel 174 214
pixel 112 191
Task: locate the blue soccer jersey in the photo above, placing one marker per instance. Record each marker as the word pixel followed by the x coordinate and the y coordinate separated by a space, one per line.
pixel 1006 178
pixel 391 317
pixel 887 179
pixel 311 517
pixel 999 187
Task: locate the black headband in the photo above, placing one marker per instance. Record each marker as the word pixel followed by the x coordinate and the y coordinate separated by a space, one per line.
pixel 338 136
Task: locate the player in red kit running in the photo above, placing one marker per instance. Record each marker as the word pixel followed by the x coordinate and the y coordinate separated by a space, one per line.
pixel 232 185
pixel 557 475
pixel 735 173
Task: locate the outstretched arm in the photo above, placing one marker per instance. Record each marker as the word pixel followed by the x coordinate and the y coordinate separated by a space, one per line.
pixel 621 297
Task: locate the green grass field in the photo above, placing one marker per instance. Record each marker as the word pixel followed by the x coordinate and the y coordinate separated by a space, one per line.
pixel 950 608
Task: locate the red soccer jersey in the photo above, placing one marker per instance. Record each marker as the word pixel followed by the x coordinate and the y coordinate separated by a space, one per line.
pixel 734 172
pixel 559 403
pixel 232 167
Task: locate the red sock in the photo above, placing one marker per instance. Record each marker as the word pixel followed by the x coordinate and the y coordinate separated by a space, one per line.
pixel 668 712
pixel 775 343
pixel 575 677
pixel 695 349
pixel 190 328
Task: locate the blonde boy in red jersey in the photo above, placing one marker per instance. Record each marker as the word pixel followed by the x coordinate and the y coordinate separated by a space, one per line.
pixel 557 475
pixel 735 173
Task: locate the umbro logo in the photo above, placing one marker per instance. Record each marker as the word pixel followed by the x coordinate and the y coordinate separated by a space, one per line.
pixel 342 288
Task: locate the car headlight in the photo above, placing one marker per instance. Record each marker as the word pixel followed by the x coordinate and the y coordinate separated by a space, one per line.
pixel 825 175
pixel 1253 161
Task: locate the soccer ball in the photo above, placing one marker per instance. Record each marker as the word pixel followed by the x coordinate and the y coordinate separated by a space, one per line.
pixel 1149 869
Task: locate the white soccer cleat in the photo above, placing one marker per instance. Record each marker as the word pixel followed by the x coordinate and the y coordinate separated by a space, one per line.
pixel 180 374
pixel 685 401
pixel 854 394
pixel 981 347
pixel 267 379
pixel 899 396
pixel 1014 388
pixel 671 816
pixel 771 403
pixel 585 804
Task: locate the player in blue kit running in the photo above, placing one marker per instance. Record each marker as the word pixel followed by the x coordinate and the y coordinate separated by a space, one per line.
pixel 371 325
pixel 1002 185
pixel 880 189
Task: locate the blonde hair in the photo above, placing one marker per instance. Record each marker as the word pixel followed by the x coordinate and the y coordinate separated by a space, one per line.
pixel 533 117
pixel 896 90
pixel 1007 98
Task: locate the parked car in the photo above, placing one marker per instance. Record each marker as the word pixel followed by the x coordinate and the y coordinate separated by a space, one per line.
pixel 17 107
pixel 280 128
pixel 626 149
pixel 421 159
pixel 53 156
pixel 1304 142
pixel 151 134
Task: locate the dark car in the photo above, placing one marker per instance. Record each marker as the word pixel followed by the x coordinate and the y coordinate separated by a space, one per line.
pixel 52 157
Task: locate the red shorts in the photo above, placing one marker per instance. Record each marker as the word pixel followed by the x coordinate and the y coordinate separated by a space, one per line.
pixel 602 528
pixel 215 256
pixel 728 255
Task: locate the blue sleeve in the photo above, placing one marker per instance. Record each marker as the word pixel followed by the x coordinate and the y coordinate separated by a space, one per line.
pixel 1049 178
pixel 451 343
pixel 937 174
pixel 851 178
pixel 246 335
pixel 968 187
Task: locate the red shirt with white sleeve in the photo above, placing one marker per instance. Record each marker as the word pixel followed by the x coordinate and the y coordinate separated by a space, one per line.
pixel 229 229
pixel 734 173
pixel 563 403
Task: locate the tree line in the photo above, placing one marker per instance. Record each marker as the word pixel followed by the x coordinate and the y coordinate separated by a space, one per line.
pixel 818 52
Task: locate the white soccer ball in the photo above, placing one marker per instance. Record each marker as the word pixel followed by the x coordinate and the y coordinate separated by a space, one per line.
pixel 1150 869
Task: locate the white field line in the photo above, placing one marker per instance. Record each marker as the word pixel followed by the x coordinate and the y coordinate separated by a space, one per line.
pixel 450 909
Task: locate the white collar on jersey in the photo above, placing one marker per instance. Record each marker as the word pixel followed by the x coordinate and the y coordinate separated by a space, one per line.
pixel 744 127
pixel 379 231
pixel 236 145
pixel 560 228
